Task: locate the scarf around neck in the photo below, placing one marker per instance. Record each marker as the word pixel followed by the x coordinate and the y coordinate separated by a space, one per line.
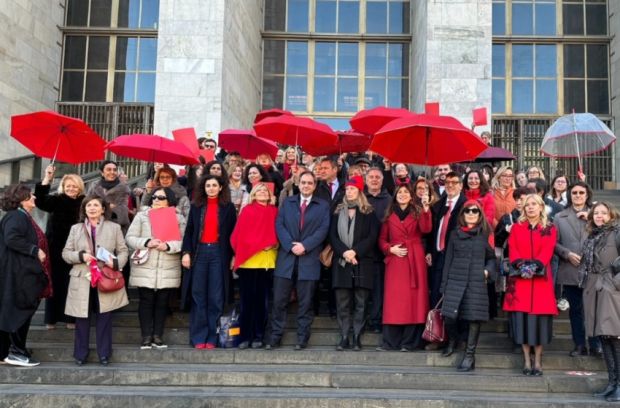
pixel 592 245
pixel 109 184
pixel 345 233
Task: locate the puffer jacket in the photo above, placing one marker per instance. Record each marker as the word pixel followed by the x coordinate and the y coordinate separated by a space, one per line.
pixel 163 268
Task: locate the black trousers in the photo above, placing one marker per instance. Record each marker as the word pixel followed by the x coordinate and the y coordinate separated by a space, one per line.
pixel 398 336
pixel 376 303
pixel 254 289
pixel 281 294
pixel 15 342
pixel 351 309
pixel 435 273
pixel 152 310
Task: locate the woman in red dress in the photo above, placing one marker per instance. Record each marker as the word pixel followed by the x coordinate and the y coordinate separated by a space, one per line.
pixel 406 289
pixel 531 299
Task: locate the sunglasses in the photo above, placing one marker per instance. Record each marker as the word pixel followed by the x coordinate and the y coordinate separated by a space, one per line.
pixel 160 197
pixel 578 192
pixel 471 211
pixel 210 147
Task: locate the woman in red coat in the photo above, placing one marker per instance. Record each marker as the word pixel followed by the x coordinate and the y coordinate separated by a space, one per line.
pixel 405 302
pixel 532 299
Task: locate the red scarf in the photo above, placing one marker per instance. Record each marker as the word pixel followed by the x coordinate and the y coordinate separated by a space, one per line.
pixel 473 194
pixel 255 230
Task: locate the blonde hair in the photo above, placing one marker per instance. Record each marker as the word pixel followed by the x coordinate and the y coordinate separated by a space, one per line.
pixel 541 175
pixel 72 177
pixel 543 213
pixel 362 203
pixel 258 186
pixel 498 174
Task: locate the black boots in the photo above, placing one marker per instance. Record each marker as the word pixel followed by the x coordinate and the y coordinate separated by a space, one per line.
pixel 357 343
pixel 469 361
pixel 614 394
pixel 608 356
pixel 453 338
pixel 343 343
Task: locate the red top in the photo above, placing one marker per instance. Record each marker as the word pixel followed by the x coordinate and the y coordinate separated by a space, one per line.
pixel 535 295
pixel 209 229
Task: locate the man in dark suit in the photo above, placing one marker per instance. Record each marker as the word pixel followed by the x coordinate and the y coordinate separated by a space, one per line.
pixel 301 226
pixel 439 183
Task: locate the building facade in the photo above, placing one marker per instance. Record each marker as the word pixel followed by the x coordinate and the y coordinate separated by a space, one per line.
pixel 129 66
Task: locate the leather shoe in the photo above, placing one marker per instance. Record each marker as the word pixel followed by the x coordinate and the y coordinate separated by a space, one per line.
pixel 104 361
pixel 357 343
pixel 578 351
pixel 300 346
pixel 79 362
pixel 536 372
pixel 243 345
pixel 343 343
pixel 597 352
pixel 256 344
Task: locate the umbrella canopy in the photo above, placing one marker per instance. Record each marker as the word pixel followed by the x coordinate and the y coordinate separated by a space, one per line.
pixel 268 113
pixel 246 143
pixel 427 139
pixel 369 121
pixel 348 141
pixel 492 154
pixel 576 135
pixel 296 131
pixel 54 136
pixel 152 148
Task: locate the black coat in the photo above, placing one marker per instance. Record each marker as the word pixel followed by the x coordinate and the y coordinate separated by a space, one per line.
pixel 22 278
pixel 379 203
pixel 463 284
pixel 322 191
pixel 227 217
pixel 364 242
pixel 439 209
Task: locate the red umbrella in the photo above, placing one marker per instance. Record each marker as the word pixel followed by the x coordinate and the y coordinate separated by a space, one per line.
pixel 152 148
pixel 348 141
pixel 54 136
pixel 427 139
pixel 369 121
pixel 246 143
pixel 296 131
pixel 492 154
pixel 268 113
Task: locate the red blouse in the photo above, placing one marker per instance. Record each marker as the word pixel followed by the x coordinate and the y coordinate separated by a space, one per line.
pixel 209 229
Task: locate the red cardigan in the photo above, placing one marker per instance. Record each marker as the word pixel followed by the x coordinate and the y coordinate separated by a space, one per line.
pixel 536 295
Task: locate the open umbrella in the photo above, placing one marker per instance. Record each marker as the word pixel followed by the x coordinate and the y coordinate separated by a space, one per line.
pixel 576 135
pixel 369 121
pixel 296 131
pixel 427 139
pixel 348 141
pixel 152 148
pixel 58 137
pixel 268 113
pixel 246 143
pixel 494 154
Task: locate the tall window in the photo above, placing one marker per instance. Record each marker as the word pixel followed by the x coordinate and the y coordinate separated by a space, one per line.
pixel 550 57
pixel 331 58
pixel 110 50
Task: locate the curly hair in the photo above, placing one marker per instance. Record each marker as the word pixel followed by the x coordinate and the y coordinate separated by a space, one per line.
pixel 14 195
pixel 200 195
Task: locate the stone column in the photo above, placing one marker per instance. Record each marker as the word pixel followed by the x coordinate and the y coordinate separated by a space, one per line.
pixel 614 77
pixel 208 64
pixel 451 56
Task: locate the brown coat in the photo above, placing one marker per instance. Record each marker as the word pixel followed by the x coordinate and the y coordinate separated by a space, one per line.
pixel 108 236
pixel 601 295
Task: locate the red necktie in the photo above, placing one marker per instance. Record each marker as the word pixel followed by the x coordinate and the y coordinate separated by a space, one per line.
pixel 444 227
pixel 331 189
pixel 304 205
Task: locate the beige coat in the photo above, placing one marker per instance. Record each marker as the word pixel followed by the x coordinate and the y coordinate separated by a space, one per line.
pixel 108 236
pixel 601 295
pixel 163 268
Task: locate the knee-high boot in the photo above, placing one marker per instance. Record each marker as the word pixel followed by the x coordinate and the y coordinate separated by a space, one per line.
pixel 608 356
pixel 453 337
pixel 469 361
pixel 614 395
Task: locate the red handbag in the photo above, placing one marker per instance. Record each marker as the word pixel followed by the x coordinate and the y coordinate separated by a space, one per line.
pixel 434 330
pixel 111 280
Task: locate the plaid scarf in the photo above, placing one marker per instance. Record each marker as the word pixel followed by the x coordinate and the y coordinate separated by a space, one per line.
pixel 592 245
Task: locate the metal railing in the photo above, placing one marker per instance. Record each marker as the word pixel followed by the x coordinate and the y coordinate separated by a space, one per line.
pixel 110 120
pixel 523 137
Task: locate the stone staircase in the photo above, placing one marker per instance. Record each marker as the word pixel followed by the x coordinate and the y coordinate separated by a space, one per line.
pixel 317 376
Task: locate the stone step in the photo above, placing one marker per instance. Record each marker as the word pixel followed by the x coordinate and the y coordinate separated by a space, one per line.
pixel 181 320
pixel 292 375
pixel 324 337
pixel 58 352
pixel 44 396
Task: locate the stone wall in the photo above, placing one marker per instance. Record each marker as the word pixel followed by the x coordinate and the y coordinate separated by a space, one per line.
pixel 419 49
pixel 242 69
pixel 188 90
pixel 614 74
pixel 457 64
pixel 30 60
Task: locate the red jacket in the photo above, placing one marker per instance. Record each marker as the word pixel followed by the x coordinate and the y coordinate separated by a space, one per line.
pixel 536 295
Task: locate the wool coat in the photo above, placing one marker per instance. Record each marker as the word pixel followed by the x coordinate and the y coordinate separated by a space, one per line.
pixel 108 235
pixel 535 295
pixel 406 294
pixel 22 279
pixel 571 236
pixel 118 196
pixel 311 236
pixel 463 283
pixel 366 230
pixel 601 294
pixel 162 270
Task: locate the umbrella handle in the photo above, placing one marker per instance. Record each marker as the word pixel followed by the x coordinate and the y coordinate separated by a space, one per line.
pixel 55 152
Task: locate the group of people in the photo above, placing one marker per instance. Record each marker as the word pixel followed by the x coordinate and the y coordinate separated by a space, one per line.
pixel 387 244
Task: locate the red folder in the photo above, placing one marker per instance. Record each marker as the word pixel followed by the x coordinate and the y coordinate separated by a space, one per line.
pixel 187 136
pixel 432 108
pixel 480 116
pixel 164 224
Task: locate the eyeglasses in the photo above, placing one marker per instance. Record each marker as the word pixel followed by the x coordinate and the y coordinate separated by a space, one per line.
pixel 210 147
pixel 452 183
pixel 471 211
pixel 578 192
pixel 162 177
pixel 160 197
